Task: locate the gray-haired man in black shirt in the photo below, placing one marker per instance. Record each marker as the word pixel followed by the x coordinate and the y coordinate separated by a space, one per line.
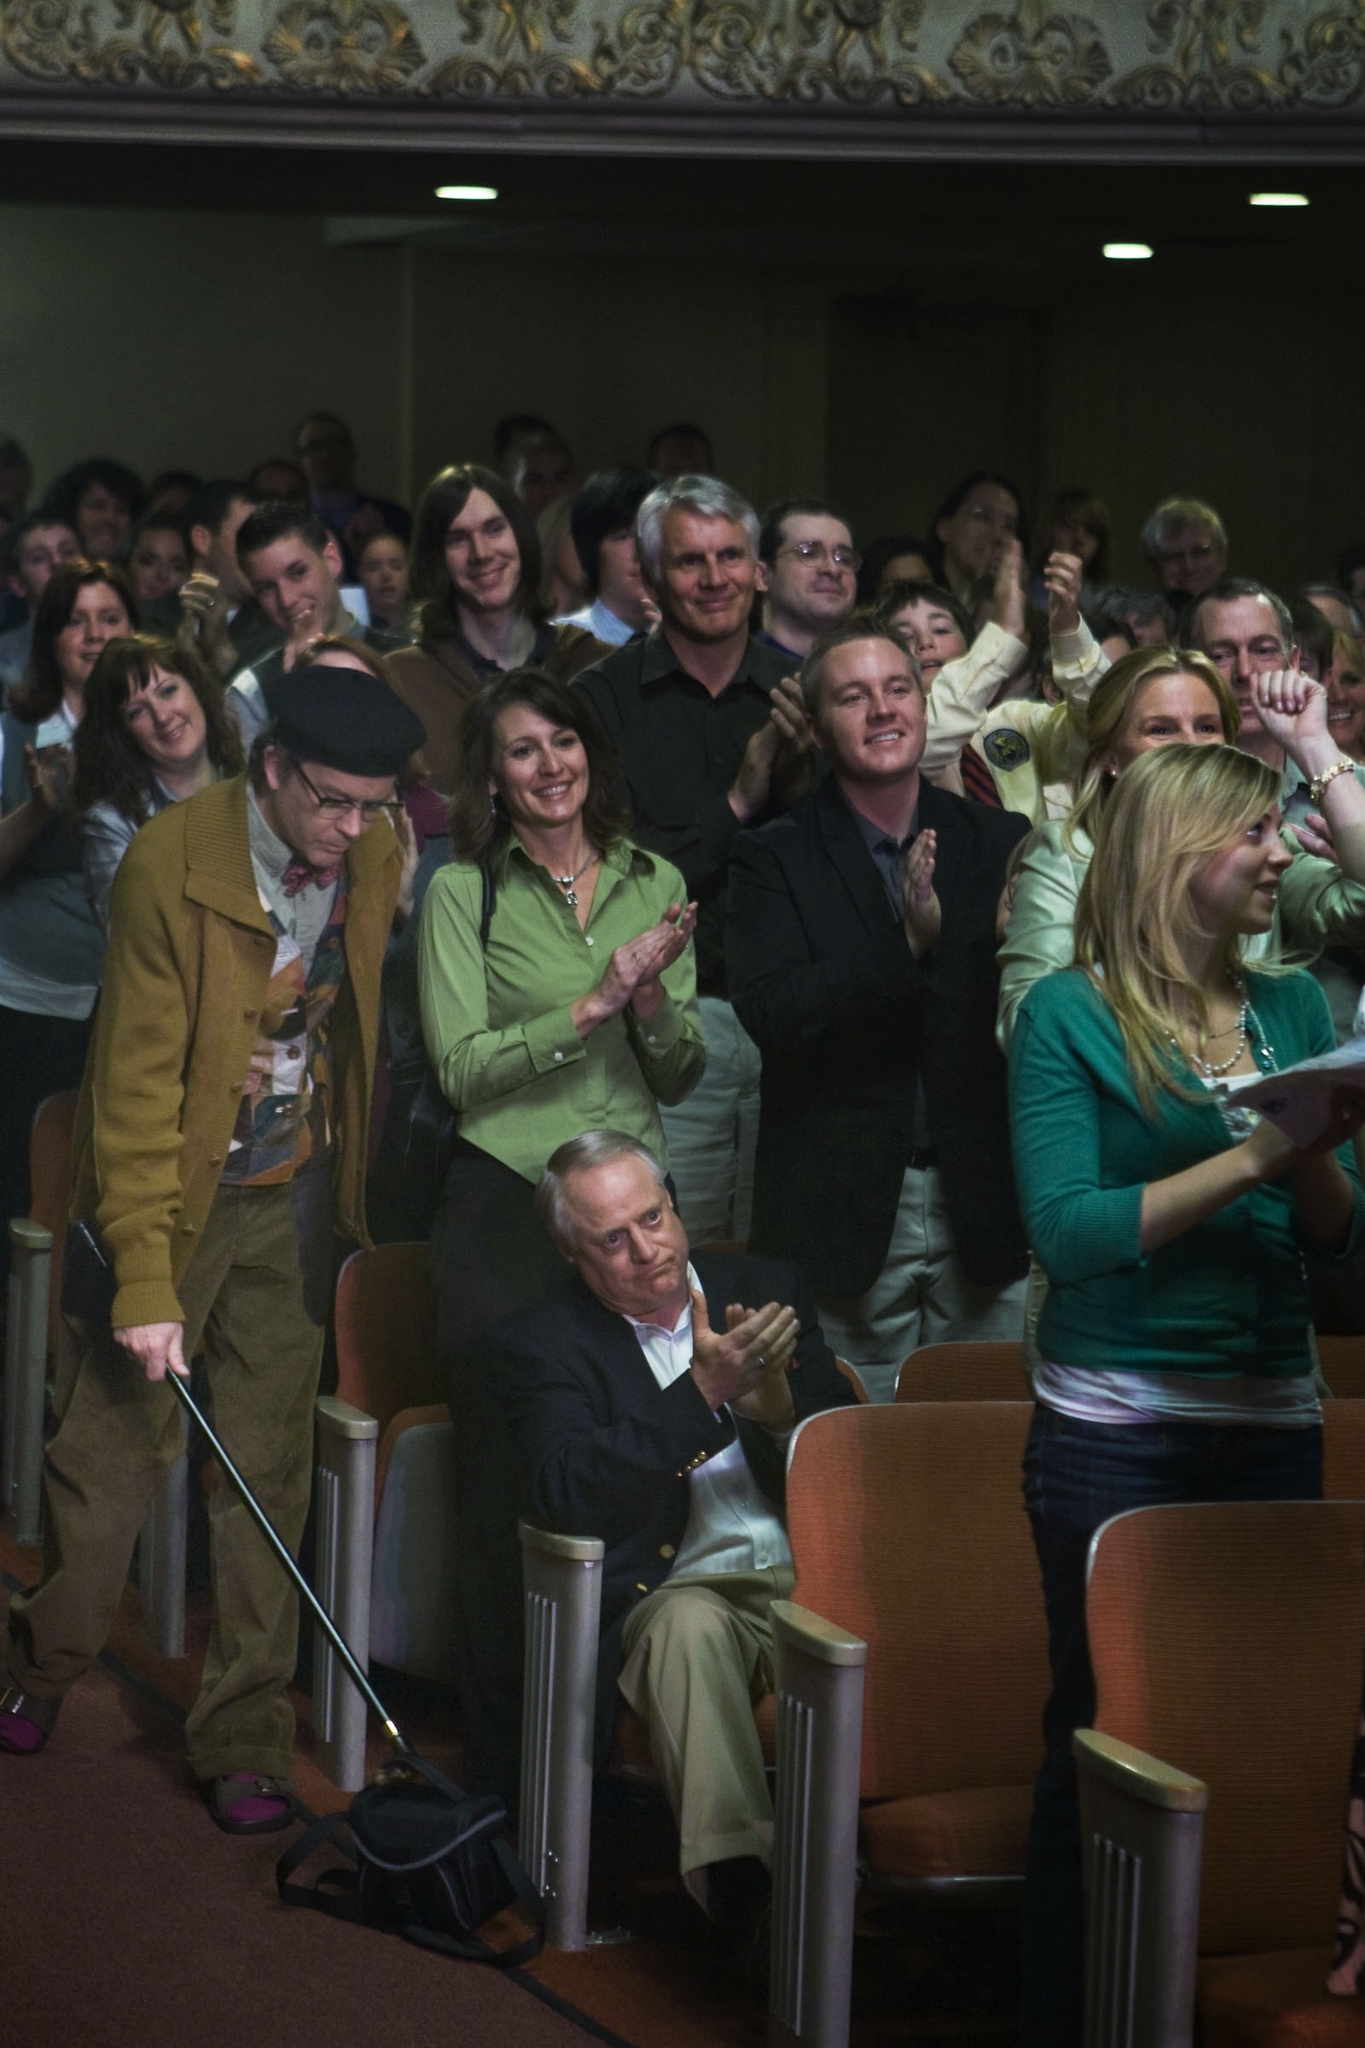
pixel 709 725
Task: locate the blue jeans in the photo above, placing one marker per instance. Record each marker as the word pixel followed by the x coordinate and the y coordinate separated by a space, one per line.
pixel 1076 1475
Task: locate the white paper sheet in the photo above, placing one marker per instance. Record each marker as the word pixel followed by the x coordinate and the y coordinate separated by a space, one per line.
pixel 1300 1099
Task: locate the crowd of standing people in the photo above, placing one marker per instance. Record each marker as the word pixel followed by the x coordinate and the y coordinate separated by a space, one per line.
pixel 735 948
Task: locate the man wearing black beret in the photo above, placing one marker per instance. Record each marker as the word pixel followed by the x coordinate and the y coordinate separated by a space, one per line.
pixel 219 1140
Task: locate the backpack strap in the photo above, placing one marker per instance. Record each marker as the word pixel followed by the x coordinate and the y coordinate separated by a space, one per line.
pixel 340 1901
pixel 489 899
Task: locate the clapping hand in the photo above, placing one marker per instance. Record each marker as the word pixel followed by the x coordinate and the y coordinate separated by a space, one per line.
pixel 49 776
pixel 747 1367
pixel 204 621
pixel 1008 605
pixel 922 911
pixel 791 763
pixel 673 931
pixel 633 971
pixel 1314 835
pixel 776 761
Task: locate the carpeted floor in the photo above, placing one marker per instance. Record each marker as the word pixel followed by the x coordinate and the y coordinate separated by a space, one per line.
pixel 128 1918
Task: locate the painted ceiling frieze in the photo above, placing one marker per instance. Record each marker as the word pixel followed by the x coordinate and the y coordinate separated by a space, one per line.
pixel 1181 57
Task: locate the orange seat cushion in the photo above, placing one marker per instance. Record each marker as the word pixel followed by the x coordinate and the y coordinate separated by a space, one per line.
pixel 979 1833
pixel 1275 2000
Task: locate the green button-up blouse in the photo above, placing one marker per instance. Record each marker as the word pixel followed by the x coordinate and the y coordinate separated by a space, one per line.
pixel 497 1019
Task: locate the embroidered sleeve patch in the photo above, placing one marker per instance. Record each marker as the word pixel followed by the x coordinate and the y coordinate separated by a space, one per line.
pixel 1006 749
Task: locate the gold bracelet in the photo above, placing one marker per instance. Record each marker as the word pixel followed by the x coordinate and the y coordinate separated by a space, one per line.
pixel 1320 782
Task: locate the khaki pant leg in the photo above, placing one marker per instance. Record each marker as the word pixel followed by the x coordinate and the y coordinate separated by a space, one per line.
pixel 115 1429
pixel 262 1353
pixel 697 1656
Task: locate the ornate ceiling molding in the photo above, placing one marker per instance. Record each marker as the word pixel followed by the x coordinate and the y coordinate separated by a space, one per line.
pixel 887 69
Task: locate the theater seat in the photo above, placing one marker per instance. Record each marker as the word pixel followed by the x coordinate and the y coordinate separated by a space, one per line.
pixel 385 1495
pixel 1343 1449
pixel 1343 1365
pixel 1275 2001
pixel 965 1372
pixel 563 1602
pixel 911 1676
pixel 1228 1642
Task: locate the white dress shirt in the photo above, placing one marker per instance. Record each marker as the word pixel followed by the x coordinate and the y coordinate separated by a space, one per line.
pixel 602 622
pixel 731 1525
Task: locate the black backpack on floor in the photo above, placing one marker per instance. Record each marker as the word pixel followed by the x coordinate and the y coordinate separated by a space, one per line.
pixel 424 1860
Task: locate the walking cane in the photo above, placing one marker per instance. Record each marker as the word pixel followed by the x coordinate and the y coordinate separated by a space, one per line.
pixel 281 1550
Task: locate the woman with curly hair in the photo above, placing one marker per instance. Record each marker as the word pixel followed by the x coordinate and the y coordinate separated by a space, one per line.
pixel 154 731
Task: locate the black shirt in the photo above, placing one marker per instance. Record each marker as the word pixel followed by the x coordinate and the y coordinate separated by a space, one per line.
pixel 681 749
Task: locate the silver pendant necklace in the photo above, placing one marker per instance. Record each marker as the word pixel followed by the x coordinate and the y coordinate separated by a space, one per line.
pixel 566 882
pixel 1213 1073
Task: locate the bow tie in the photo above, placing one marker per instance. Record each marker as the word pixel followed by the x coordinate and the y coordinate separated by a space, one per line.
pixel 299 875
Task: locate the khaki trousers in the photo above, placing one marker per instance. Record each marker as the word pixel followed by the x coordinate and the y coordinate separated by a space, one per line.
pixel 698 1654
pixel 921 1296
pixel 243 1292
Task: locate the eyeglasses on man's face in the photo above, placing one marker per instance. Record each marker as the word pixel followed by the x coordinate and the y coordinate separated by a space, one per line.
pixel 343 806
pixel 816 551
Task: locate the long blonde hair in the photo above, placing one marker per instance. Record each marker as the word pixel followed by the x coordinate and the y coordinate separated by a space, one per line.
pixel 1111 707
pixel 1167 814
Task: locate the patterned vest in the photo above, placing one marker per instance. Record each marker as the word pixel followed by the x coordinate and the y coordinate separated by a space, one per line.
pixel 285 1109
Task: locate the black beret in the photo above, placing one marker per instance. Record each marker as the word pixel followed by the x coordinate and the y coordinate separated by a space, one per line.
pixel 343 718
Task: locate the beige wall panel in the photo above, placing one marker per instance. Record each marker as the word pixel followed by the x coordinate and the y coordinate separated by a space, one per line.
pixel 921 396
pixel 182 339
pixel 1247 397
pixel 608 350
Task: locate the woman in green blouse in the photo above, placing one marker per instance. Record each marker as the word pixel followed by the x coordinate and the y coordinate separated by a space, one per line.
pixel 558 995
pixel 1174 1342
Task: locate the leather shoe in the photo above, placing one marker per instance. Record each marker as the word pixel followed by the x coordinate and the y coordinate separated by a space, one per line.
pixel 249 1803
pixel 25 1720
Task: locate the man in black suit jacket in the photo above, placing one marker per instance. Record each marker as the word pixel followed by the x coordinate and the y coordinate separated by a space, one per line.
pixel 651 1404
pixel 860 942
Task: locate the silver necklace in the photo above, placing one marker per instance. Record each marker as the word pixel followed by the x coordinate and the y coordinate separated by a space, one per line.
pixel 566 882
pixel 1210 1072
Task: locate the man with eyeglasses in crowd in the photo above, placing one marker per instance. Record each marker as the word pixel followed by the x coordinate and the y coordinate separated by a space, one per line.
pixel 808 573
pixel 219 1148
pixel 1185 542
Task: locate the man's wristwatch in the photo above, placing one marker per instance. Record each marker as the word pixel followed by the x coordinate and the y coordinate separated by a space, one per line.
pixel 1319 783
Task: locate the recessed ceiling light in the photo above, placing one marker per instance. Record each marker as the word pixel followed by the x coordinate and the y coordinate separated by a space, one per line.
pixel 466 191
pixel 1128 252
pixel 1279 199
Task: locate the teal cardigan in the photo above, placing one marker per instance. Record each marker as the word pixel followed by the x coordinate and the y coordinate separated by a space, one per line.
pixel 1228 1296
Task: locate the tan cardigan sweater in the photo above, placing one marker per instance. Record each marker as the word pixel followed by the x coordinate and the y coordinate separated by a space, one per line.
pixel 190 956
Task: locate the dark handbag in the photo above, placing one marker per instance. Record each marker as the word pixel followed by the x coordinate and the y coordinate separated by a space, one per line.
pixel 425 1860
pixel 421 1128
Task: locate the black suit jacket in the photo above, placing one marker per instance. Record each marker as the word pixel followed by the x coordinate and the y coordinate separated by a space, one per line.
pixel 846 1019
pixel 603 1451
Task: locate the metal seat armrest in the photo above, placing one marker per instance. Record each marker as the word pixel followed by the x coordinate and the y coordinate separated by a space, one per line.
pixel 562 1576
pixel 815 1835
pixel 1142 1837
pixel 347 1441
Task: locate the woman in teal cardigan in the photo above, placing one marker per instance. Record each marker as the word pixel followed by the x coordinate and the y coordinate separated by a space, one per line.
pixel 1174 1343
